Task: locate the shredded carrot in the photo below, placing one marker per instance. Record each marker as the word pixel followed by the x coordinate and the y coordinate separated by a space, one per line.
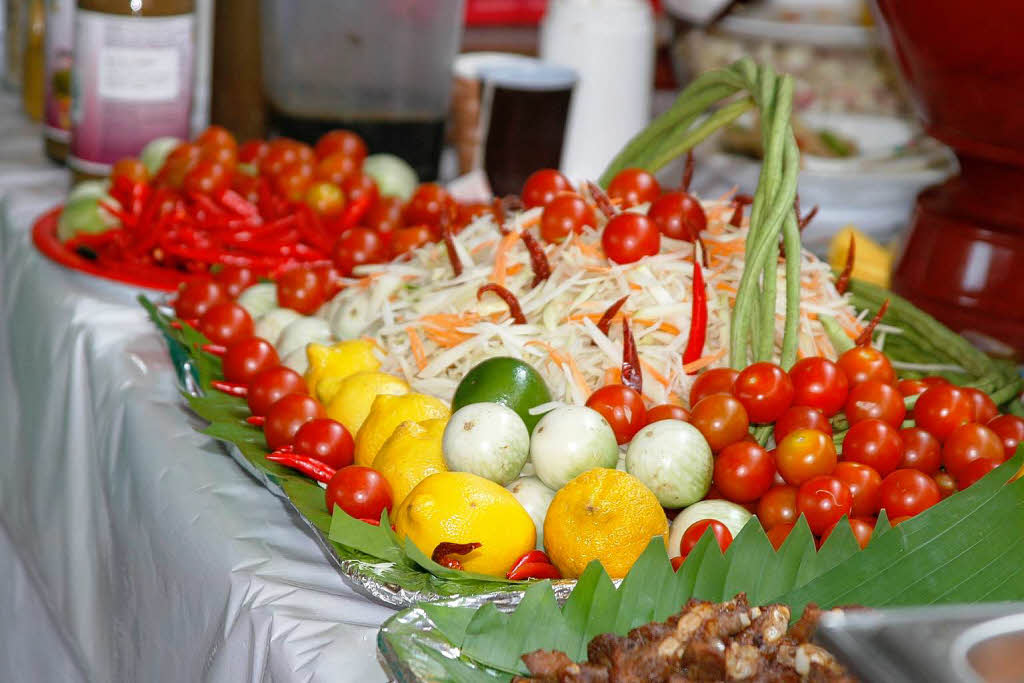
pixel 663 326
pixel 704 361
pixel 514 268
pixel 585 248
pixel 612 376
pixel 416 346
pixel 635 286
pixel 366 281
pixel 501 257
pixel 660 378
pixel 559 359
pixel 480 247
pixel 725 287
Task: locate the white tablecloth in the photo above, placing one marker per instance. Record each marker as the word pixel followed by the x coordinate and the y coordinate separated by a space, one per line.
pixel 133 548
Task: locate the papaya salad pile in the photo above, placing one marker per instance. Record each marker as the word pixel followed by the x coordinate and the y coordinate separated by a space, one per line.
pixel 581 368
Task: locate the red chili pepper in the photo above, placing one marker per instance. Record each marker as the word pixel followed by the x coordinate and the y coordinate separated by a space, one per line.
pixel 534 570
pixel 311 467
pixel 687 171
pixel 538 259
pixel 230 388
pixel 604 204
pixel 256 420
pixel 514 309
pixel 533 556
pixel 215 349
pixel 445 550
pixel 313 233
pixel 698 319
pixel 207 204
pixel 864 338
pixel 354 213
pixel 374 522
pixel 632 376
pixel 236 203
pixel 449 245
pixel 117 212
pixel 808 217
pixel 843 281
pixel 605 323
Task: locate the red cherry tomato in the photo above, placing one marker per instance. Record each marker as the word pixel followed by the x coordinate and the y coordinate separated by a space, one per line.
pixel 874 400
pixel 359 185
pixel 286 416
pixel 326 440
pixel 356 247
pixel 678 215
pixel 206 177
pixel 911 387
pixel 634 186
pixel 695 531
pixel 293 181
pixel 385 216
pixel 564 215
pixel 716 381
pixel 805 454
pixel 982 407
pixel 280 153
pixel 216 136
pixel 301 290
pixel 864 483
pixel 967 443
pixel 765 390
pixel 542 186
pixel 778 534
pixel 823 501
pixel 197 296
pixel 335 168
pixel 247 358
pixel 941 409
pixel 861 531
pixel 905 493
pixel 179 162
pixel 248 186
pixel 862 363
pixel 800 417
pixel 973 471
pixel 1010 429
pixel 226 323
pixel 921 450
pixel 253 151
pixel 744 472
pixel 235 279
pixel 129 170
pixel 935 380
pixel 269 386
pixel 667 411
pixel 777 506
pixel 225 154
pixel 428 203
pixel 361 492
pixel 946 484
pixel 628 237
pixel 326 199
pixel 819 383
pixel 404 240
pixel 677 562
pixel 874 443
pixel 623 409
pixel 343 142
pixel 722 420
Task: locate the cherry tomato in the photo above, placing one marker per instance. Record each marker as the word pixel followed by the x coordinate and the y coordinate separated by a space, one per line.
pixel 716 381
pixel 863 482
pixel 206 177
pixel 823 501
pixel 428 203
pixel 695 531
pixel 280 153
pixel 1010 429
pixel 359 185
pixel 467 213
pixel 765 390
pixel 564 215
pixel 744 472
pixel 969 442
pixel 286 416
pixel 622 407
pixel 874 400
pixel 921 450
pixel 542 186
pixel 357 246
pixel 271 385
pixel 253 151
pixel 777 506
pixel 294 180
pixel 217 136
pixel 874 443
pixel 326 199
pixel 946 484
pixel 861 531
pixel 301 290
pixel 778 534
pixel 722 420
pixel 800 417
pixel 628 237
pixel 226 323
pixel 343 142
pixel 197 296
pixel 326 440
pixel 129 169
pixel 908 492
pixel 179 162
pixel 634 186
pixel 804 454
pixel 235 279
pixel 678 215
pixel 819 383
pixel 406 239
pixel 385 216
pixel 667 411
pixel 677 562
pixel 335 168
pixel 361 492
pixel 226 156
pixel 941 409
pixel 982 407
pixel 862 363
pixel 973 471
pixel 248 186
pixel 247 358
pixel 911 387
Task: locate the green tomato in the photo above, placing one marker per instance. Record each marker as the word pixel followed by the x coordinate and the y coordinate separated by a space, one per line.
pixel 394 177
pixel 671 458
pixel 488 440
pixel 85 215
pixel 570 440
pixel 154 154
pixel 88 188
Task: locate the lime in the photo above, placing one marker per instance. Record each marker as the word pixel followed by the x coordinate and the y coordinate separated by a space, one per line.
pixel 504 380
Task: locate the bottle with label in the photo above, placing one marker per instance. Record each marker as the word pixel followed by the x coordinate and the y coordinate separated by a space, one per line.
pixel 32 62
pixel 132 78
pixel 60 16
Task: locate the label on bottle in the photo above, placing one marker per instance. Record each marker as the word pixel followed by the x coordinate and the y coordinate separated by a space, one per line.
pixel 60 21
pixel 132 83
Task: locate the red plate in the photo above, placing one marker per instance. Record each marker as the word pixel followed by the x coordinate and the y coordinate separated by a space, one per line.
pixel 44 235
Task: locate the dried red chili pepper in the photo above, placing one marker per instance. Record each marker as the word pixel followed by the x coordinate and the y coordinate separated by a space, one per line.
pixel 632 376
pixel 230 388
pixel 311 467
pixel 514 309
pixel 443 553
pixel 843 281
pixel 739 201
pixel 698 319
pixel 534 570
pixel 605 323
pixel 807 218
pixel 603 202
pixel 864 338
pixel 538 259
pixel 498 212
pixel 687 171
pixel 449 245
pixel 529 557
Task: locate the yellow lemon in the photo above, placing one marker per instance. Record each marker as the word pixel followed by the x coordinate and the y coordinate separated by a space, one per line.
pixel 339 360
pixel 386 413
pixel 411 454
pixel 459 507
pixel 605 515
pixel 348 400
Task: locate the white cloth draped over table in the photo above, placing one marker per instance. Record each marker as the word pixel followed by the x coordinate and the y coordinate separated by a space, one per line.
pixel 133 548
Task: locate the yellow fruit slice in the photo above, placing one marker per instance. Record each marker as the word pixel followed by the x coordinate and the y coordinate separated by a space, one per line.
pixel 386 413
pixel 459 507
pixel 605 515
pixel 411 454
pixel 872 262
pixel 348 400
pixel 339 360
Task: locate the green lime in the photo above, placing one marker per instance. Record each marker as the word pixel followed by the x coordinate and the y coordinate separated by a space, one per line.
pixel 504 380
